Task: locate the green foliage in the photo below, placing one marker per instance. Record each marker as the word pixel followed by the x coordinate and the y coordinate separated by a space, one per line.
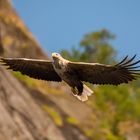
pixel 97 47
pixel 94 47
pixel 73 55
pixel 54 115
pixel 113 104
pixel 30 81
pixel 72 120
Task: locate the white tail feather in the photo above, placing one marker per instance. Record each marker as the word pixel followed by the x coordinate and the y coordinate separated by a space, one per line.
pixel 86 92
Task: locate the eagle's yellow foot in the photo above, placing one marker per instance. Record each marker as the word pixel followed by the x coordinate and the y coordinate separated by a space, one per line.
pixel 74 90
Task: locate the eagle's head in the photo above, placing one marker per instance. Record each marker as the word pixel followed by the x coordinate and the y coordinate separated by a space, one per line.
pixel 56 56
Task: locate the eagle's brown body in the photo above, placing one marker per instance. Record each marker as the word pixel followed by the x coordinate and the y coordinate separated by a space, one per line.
pixel 74 73
pixel 68 75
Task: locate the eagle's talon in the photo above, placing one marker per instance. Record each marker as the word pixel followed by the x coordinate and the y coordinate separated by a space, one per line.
pixel 74 90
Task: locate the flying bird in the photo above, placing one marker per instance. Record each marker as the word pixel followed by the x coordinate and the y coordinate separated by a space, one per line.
pixel 75 73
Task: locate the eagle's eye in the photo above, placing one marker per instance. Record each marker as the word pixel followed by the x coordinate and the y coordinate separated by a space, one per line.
pixel 57 54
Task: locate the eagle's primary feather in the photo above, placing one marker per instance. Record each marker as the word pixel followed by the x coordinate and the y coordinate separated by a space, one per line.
pixel 96 73
pixel 74 73
pixel 38 69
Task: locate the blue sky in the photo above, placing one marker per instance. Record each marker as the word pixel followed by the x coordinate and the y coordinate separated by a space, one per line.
pixel 61 24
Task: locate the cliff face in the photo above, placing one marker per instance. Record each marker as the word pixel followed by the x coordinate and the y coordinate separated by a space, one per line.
pixel 16 39
pixel 28 111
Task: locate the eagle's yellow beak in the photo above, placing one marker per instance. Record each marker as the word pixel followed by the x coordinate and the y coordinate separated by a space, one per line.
pixel 53 54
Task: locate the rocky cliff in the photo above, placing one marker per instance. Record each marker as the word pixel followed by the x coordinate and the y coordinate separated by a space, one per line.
pixel 30 109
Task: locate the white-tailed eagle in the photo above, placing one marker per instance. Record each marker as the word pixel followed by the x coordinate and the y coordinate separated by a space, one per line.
pixel 75 73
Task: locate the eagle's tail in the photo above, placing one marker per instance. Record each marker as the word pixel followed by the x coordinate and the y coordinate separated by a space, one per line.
pixel 86 92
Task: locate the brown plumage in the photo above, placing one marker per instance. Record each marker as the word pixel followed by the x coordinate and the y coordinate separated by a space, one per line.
pixel 74 73
pixel 96 73
pixel 34 68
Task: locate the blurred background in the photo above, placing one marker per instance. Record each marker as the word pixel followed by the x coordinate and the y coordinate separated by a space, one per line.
pixel 89 31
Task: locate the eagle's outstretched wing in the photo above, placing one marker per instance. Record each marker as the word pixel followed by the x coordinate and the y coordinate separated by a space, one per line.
pixel 39 69
pixel 96 73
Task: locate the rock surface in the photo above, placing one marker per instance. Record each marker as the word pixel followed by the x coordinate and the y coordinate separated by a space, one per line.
pixel 22 115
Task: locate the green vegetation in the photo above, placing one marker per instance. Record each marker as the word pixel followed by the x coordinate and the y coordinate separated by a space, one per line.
pixel 72 120
pixel 94 47
pixel 29 81
pixel 115 106
pixel 54 114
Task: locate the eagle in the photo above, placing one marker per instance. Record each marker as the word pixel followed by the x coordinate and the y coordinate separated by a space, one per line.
pixel 75 74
